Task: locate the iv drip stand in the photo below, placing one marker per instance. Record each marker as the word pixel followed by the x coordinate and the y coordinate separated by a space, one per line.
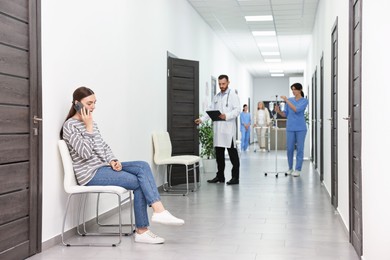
pixel 276 143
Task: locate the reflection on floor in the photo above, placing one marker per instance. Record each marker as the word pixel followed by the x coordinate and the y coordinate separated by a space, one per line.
pixel 285 218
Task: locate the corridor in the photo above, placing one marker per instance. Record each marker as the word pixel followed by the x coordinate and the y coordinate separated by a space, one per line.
pixel 262 218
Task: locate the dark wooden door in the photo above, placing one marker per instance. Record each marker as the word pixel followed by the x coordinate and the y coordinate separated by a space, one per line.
pixel 334 119
pixel 355 129
pixel 20 178
pixel 183 109
pixel 321 120
pixel 315 137
pixel 314 119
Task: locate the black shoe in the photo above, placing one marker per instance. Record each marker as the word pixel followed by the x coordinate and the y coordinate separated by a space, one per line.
pixel 215 180
pixel 232 182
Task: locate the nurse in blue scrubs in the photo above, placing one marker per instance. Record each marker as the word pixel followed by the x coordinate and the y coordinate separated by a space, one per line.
pixel 245 127
pixel 296 126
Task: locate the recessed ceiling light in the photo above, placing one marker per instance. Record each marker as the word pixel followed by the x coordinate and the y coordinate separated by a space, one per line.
pixel 276 71
pixel 267 44
pixel 259 18
pixel 264 33
pixel 277 75
pixel 270 53
pixel 272 60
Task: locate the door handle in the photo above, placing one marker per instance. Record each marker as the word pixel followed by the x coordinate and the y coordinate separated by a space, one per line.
pixel 37 119
pixel 347 118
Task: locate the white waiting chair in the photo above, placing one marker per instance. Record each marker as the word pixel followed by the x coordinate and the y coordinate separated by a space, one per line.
pixel 163 156
pixel 72 188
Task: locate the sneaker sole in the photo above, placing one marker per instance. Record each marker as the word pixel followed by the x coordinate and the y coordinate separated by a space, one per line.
pixel 168 223
pixel 148 242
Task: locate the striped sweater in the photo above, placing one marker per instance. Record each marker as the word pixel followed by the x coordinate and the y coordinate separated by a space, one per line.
pixel 88 150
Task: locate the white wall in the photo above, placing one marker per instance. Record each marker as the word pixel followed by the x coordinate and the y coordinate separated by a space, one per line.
pixel 375 141
pixel 265 89
pixel 327 13
pixel 120 51
pixel 375 177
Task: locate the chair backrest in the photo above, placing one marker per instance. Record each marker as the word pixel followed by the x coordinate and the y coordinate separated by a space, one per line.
pixel 67 163
pixel 162 146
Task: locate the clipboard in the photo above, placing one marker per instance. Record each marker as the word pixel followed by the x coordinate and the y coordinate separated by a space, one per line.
pixel 214 115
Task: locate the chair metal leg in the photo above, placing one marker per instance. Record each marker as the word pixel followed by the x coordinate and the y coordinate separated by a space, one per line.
pixel 131 224
pixel 195 181
pixel 167 186
pixel 82 206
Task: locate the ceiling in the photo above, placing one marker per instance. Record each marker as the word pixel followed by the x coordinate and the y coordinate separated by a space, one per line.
pixel 293 22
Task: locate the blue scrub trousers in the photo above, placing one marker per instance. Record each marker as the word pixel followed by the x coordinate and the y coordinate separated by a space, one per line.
pixel 295 138
pixel 245 136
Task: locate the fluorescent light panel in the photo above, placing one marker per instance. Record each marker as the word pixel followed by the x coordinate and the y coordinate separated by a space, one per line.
pixel 263 33
pixel 272 60
pixel 270 53
pixel 277 75
pixel 259 18
pixel 267 44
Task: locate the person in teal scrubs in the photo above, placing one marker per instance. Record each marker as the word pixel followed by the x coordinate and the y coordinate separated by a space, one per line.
pixel 296 126
pixel 245 128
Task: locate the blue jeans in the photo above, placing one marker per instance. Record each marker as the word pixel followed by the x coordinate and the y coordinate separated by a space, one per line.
pixel 295 138
pixel 136 176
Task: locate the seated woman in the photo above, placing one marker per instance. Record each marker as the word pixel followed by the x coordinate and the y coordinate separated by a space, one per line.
pixel 95 164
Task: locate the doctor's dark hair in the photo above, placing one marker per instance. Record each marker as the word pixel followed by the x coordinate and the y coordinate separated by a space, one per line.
pixel 298 86
pixel 78 95
pixel 223 77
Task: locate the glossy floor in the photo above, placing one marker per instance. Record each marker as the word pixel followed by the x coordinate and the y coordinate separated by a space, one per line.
pixel 285 218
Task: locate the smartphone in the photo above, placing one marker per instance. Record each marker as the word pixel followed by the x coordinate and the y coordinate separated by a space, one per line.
pixel 78 106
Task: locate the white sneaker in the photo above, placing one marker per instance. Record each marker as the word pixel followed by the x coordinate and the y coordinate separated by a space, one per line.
pixel 296 173
pixel 148 237
pixel 166 218
pixel 289 172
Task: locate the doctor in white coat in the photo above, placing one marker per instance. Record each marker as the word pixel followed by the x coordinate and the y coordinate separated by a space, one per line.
pixel 228 103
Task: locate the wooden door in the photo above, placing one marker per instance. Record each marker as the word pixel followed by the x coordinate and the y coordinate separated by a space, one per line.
pixel 314 120
pixel 321 120
pixel 315 137
pixel 183 109
pixel 334 119
pixel 20 138
pixel 355 129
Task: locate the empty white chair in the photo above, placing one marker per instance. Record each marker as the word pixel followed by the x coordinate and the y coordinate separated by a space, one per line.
pixel 163 156
pixel 72 188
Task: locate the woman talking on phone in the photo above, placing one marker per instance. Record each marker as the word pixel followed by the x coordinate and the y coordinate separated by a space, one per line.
pixel 296 126
pixel 95 164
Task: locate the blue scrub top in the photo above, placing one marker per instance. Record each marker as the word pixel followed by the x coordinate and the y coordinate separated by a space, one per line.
pixel 296 120
pixel 245 118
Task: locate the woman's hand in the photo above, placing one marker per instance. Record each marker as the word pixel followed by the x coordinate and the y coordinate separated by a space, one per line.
pixel 86 117
pixel 284 98
pixel 116 165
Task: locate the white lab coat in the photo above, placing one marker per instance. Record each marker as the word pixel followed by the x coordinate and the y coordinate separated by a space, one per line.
pixel 225 131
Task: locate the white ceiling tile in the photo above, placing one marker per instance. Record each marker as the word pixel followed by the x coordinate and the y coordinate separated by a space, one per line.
pixel 293 23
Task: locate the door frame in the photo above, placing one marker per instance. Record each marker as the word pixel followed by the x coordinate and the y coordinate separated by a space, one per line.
pixel 322 118
pixel 334 117
pixel 355 173
pixel 36 148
